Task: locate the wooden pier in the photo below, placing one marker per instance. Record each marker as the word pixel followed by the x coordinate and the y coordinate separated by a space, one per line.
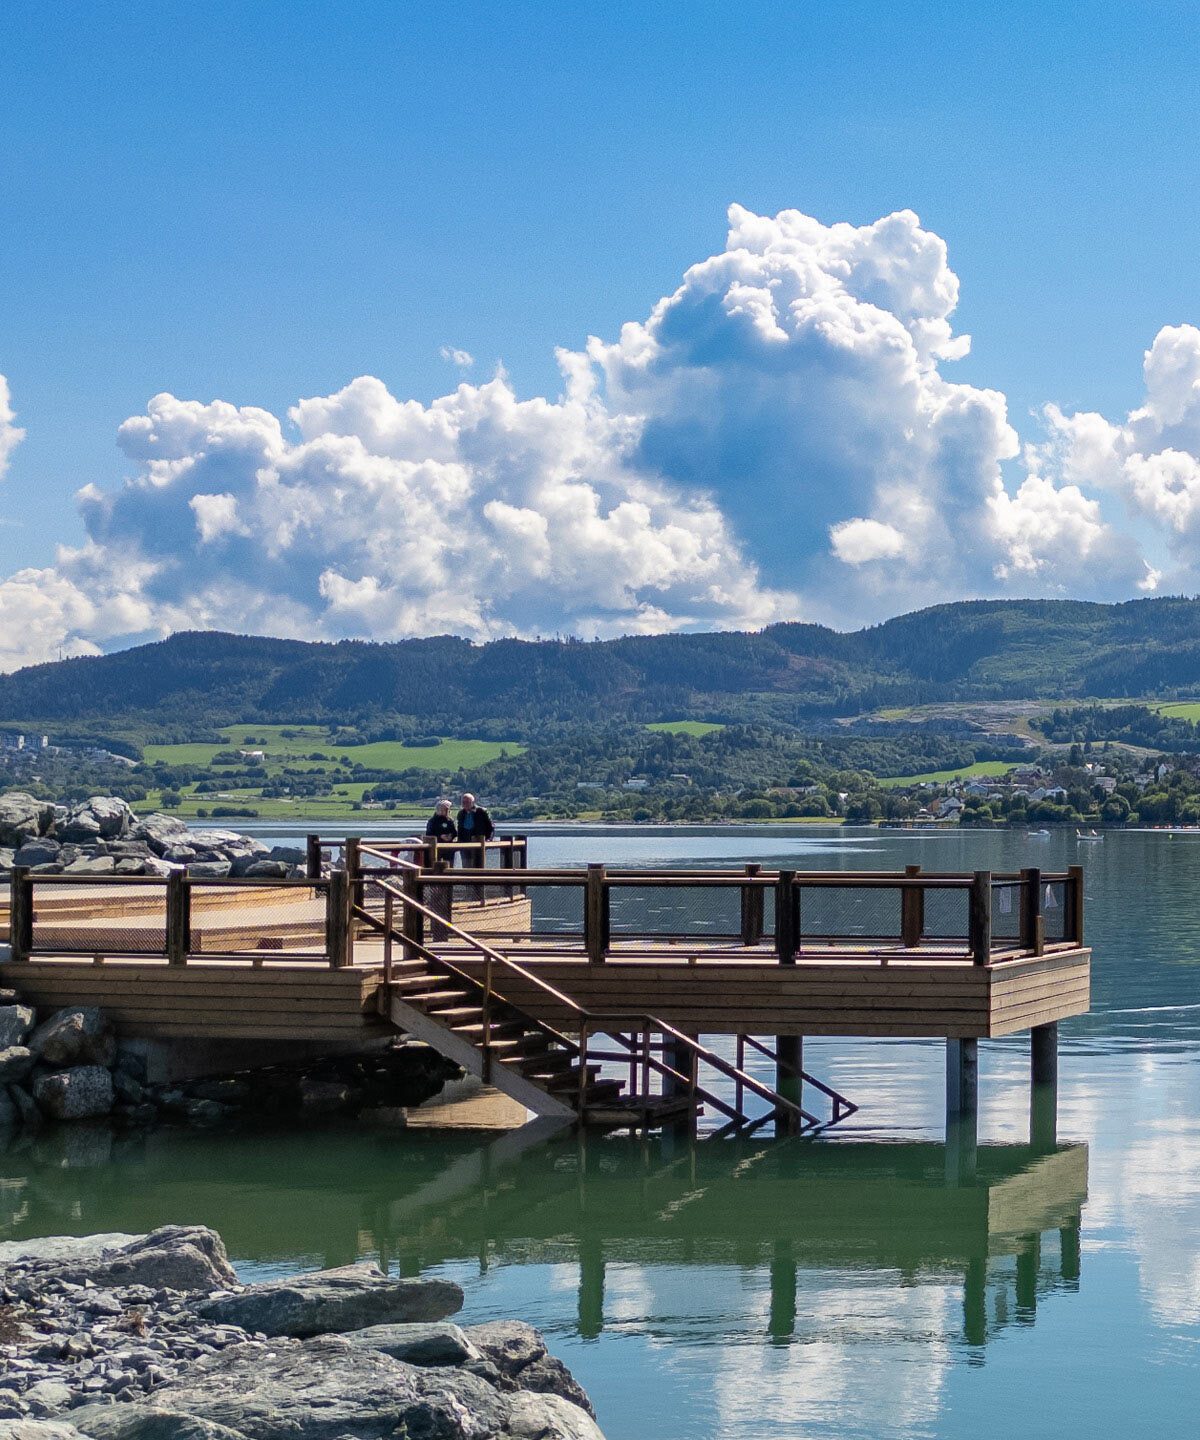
pixel 582 993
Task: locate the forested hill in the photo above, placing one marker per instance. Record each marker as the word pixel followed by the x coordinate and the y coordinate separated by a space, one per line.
pixel 969 650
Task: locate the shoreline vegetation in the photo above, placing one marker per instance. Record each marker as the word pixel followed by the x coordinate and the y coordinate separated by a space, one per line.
pixel 929 716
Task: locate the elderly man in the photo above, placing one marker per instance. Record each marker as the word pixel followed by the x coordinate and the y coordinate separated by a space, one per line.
pixel 473 823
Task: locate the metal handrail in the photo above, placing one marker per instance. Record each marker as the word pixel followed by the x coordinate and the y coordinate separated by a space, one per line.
pixel 586 1018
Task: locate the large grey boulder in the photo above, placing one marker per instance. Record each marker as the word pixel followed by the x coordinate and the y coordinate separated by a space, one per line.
pixel 80 1093
pixel 38 1430
pixel 16 1021
pixel 9 1115
pixel 173 1257
pixel 41 851
pixel 519 1353
pixel 209 869
pixel 442 1343
pixel 91 865
pixel 22 817
pixel 319 1390
pixel 102 817
pixel 16 1061
pixel 549 1417
pixel 77 1035
pixel 348 1298
pixel 151 1422
pixel 159 831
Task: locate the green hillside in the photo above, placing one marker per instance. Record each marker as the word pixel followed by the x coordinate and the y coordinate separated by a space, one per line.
pixel 195 682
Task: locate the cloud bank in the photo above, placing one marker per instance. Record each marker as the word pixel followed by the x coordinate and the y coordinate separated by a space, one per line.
pixel 781 437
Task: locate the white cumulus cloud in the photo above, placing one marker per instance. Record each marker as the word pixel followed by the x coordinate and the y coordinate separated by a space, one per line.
pixel 779 437
pixel 454 356
pixel 10 436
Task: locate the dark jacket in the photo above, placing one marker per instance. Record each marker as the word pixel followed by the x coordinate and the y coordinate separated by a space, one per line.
pixel 480 828
pixel 440 827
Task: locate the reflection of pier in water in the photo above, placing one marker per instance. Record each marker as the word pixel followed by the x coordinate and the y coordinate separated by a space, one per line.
pixel 1005 1228
pixel 1008 1232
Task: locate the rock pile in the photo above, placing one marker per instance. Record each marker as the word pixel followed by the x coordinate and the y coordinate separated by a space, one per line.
pixel 102 836
pixel 121 1337
pixel 70 1067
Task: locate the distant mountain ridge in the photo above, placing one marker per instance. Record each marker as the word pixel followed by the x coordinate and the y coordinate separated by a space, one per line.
pixel 981 649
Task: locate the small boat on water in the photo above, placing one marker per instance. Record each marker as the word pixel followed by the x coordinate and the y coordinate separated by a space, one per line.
pixel 1039 835
pixel 1088 835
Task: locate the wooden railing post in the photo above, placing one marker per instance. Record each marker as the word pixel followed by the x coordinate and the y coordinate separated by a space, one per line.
pixel 912 911
pixel 786 896
pixel 1074 917
pixel 20 914
pixel 414 919
pixel 353 858
pixel 337 920
pixel 1032 928
pixel 506 863
pixel 389 922
pixel 312 856
pixel 753 909
pixel 179 918
pixel 979 922
pixel 596 915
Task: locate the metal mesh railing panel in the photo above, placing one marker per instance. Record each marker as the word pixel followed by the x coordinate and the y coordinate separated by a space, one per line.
pixel 1007 902
pixel 1054 910
pixel 947 914
pixel 849 912
pixel 655 911
pixel 128 919
pixel 258 920
pixel 557 909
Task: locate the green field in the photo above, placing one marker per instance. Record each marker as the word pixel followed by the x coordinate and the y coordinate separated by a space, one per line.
pixel 940 777
pixel 303 741
pixel 685 727
pixel 1180 710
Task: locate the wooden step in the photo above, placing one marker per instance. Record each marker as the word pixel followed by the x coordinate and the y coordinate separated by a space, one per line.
pixel 501 1029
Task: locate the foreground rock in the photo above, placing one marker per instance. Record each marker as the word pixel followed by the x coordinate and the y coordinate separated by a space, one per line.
pixel 348 1298
pixel 127 1337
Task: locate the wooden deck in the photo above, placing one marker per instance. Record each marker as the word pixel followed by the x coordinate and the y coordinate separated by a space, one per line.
pixel 494 974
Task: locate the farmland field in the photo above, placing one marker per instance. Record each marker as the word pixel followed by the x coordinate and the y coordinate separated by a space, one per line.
pixel 939 777
pixel 301 741
pixel 685 727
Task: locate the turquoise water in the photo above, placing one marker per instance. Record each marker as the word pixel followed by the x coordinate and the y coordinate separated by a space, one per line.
pixel 859 1285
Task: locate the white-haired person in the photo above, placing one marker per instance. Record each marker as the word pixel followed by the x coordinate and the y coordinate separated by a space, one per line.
pixel 439 826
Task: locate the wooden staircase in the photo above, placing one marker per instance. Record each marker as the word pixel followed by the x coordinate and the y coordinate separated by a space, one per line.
pixel 554 1074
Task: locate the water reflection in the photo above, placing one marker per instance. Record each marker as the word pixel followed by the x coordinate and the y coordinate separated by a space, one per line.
pixel 1000 1231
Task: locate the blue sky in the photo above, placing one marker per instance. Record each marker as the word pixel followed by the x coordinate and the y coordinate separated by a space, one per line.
pixel 260 202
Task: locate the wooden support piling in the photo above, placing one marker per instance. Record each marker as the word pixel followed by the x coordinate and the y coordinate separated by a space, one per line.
pixel 312 857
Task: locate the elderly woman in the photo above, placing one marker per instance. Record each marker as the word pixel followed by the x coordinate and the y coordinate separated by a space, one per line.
pixel 440 826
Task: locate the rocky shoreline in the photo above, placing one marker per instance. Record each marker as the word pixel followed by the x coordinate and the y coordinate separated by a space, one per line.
pixel 70 1067
pixel 151 1337
pixel 102 836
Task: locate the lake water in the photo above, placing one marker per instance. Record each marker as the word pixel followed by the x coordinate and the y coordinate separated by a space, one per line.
pixel 856 1285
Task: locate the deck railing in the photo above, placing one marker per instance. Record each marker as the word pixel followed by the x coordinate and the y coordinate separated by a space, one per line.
pixel 595 913
pixel 983 917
